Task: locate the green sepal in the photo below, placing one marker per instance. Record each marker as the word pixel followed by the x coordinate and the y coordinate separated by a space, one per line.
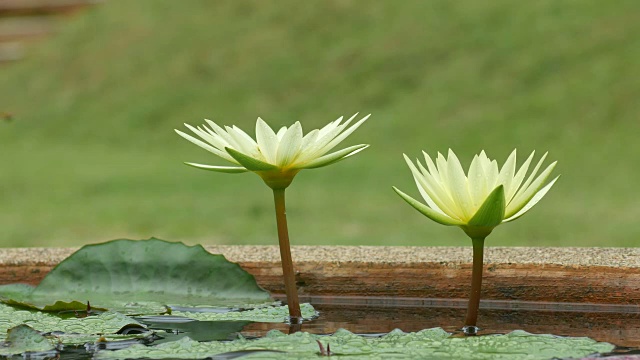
pixel 249 162
pixel 427 211
pixel 222 169
pixel 491 213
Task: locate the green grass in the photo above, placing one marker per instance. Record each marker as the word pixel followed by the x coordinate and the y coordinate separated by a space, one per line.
pixel 91 154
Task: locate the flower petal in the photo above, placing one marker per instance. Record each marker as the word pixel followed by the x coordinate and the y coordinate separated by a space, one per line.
pixel 458 185
pixel 326 137
pixel 491 213
pixel 526 184
pixel 209 136
pixel 206 146
pixel 281 133
pixel 289 146
pixel 249 162
pixel 308 143
pixel 330 126
pixel 338 139
pixel 517 180
pixel 424 186
pixel 333 157
pixel 223 169
pixel 237 142
pixel 492 175
pixel 427 211
pixel 478 189
pixel 245 141
pixel 522 198
pixel 267 141
pixel 508 170
pixel 310 139
pixel 434 190
pixel 216 128
pixel 534 200
pixel 490 170
pixel 443 171
pixel 222 133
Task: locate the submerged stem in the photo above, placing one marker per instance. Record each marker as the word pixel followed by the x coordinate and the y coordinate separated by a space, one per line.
pixel 285 255
pixel 476 284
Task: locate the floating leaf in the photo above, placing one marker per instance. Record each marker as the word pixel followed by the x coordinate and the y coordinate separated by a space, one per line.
pixel 196 330
pixel 23 339
pixel 263 314
pixel 73 330
pixel 425 344
pixel 139 276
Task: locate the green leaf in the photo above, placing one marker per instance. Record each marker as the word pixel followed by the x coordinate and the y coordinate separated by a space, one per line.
pixel 197 330
pixel 222 169
pixel 425 344
pixel 250 163
pixel 23 339
pixel 491 212
pixel 427 211
pixel 264 314
pixel 140 276
pixel 74 330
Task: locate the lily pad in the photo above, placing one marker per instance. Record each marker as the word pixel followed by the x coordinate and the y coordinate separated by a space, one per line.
pixel 139 277
pixel 23 339
pixel 196 330
pixel 425 344
pixel 273 314
pixel 73 330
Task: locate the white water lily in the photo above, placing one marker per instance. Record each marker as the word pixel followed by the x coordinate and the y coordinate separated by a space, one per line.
pixel 483 198
pixel 276 156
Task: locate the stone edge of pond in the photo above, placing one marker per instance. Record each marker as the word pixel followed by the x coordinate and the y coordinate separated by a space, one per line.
pixel 566 256
pixel 550 274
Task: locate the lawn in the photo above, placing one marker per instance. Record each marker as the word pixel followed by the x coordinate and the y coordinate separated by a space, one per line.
pixel 91 153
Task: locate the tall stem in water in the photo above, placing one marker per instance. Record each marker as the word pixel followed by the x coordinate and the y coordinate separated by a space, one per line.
pixel 285 255
pixel 476 285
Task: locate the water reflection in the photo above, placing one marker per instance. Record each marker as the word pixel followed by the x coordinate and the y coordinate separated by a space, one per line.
pixel 618 324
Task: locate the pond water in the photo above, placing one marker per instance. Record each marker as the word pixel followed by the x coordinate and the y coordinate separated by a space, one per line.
pixel 616 324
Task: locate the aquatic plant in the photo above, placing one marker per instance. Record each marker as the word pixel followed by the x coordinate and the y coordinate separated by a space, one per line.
pixel 139 277
pixel 276 157
pixel 476 202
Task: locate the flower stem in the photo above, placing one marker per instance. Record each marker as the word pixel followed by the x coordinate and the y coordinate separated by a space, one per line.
pixel 285 255
pixel 476 283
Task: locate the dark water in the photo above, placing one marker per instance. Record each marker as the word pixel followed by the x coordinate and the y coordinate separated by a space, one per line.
pixel 616 324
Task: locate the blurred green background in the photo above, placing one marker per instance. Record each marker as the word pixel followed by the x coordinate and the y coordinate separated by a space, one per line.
pixel 91 154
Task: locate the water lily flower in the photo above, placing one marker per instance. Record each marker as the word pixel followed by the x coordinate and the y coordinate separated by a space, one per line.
pixel 481 200
pixel 275 156
pixel 477 202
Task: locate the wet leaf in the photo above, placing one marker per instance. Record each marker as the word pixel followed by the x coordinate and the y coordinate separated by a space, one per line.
pixel 23 339
pixel 425 344
pixel 139 277
pixel 263 314
pixel 72 330
pixel 196 330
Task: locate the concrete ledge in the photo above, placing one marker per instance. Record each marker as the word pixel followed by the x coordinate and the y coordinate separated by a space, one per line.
pixel 567 275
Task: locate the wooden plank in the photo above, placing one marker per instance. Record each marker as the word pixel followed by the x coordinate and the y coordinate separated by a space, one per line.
pixel 30 7
pixel 412 272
